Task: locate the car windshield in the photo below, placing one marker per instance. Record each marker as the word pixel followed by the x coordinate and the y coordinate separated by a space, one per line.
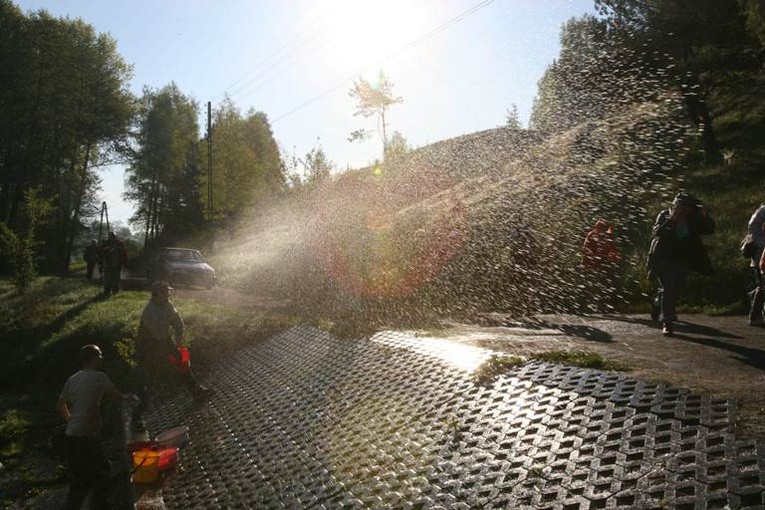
pixel 184 256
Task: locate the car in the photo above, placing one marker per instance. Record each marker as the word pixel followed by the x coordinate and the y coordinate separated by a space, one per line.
pixel 181 266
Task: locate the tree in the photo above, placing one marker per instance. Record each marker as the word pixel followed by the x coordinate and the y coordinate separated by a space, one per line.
pixel 397 147
pixel 512 119
pixel 374 101
pixel 317 166
pixel 163 177
pixel 701 43
pixel 247 167
pixel 18 249
pixel 754 14
pixel 66 109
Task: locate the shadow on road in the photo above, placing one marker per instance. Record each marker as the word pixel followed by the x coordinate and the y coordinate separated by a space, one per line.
pixel 748 355
pixel 585 332
pixel 682 327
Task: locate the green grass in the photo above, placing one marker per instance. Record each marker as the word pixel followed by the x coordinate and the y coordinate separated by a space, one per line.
pixel 42 331
pixel 584 359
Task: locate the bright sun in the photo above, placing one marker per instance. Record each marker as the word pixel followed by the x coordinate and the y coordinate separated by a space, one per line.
pixel 364 31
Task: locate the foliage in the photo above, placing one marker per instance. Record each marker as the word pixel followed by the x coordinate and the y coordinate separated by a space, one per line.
pixel 397 147
pixel 374 101
pixel 164 172
pixel 512 119
pixel 754 13
pixel 66 109
pixel 494 367
pixel 702 43
pixel 317 167
pixel 19 249
pixel 247 168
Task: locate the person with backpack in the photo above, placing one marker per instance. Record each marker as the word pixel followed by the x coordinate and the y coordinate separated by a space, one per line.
pixel 756 229
pixel 676 249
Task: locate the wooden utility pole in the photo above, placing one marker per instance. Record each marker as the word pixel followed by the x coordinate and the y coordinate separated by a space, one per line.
pixel 209 163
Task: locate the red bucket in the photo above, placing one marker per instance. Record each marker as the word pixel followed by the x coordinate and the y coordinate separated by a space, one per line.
pixel 181 362
pixel 168 458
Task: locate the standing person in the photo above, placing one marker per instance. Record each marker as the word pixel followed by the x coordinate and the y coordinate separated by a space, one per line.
pixel 154 344
pixel 675 249
pixel 756 228
pixel 599 249
pixel 115 256
pixel 599 260
pixel 90 256
pixel 79 406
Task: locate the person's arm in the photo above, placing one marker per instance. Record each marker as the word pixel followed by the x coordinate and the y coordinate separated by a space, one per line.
pixel 114 393
pixel 63 409
pixel 762 261
pixel 664 225
pixel 177 323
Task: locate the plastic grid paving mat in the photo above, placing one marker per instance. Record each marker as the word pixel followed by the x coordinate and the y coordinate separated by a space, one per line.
pixel 305 420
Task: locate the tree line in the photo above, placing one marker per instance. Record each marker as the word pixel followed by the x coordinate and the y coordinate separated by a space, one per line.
pixel 68 112
pixel 700 48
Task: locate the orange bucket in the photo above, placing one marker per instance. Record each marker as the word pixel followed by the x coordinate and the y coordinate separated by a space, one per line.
pixel 145 466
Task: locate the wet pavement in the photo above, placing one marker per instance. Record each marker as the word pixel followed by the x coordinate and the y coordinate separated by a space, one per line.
pixel 305 420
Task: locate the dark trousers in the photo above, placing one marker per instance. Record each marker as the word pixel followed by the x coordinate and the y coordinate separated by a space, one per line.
pixel 88 469
pixel 111 280
pixel 672 280
pixel 89 268
pixel 758 295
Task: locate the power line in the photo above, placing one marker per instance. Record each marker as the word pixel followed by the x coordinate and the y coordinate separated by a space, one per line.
pixel 293 41
pixel 428 35
pixel 260 78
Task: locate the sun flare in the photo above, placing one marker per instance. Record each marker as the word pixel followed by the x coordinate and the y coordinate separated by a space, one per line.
pixel 365 31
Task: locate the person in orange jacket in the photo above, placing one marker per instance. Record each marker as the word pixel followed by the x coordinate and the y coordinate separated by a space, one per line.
pixel 599 250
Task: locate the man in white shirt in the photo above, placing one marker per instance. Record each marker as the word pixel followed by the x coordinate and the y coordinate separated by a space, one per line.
pixel 80 406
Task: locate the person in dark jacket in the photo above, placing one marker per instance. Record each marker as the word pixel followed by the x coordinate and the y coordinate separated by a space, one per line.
pixel 676 248
pixel 114 256
pixel 90 256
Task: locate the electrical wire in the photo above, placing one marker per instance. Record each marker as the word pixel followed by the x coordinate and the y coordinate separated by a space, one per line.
pixel 408 46
pixel 299 39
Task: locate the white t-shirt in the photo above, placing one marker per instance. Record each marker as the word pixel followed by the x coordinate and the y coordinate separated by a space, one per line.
pixel 83 393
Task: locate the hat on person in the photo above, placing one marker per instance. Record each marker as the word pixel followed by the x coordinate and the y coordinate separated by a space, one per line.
pixel 160 285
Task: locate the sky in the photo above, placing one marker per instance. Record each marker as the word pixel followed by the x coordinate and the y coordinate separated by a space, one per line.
pixel 457 64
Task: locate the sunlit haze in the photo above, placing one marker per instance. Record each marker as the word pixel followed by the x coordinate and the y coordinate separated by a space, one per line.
pixel 458 64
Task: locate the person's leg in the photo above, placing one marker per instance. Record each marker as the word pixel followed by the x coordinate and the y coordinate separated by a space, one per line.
pixel 667 296
pixel 116 280
pixel 758 298
pixel 106 282
pixel 89 267
pixel 672 282
pixel 99 474
pixel 79 484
